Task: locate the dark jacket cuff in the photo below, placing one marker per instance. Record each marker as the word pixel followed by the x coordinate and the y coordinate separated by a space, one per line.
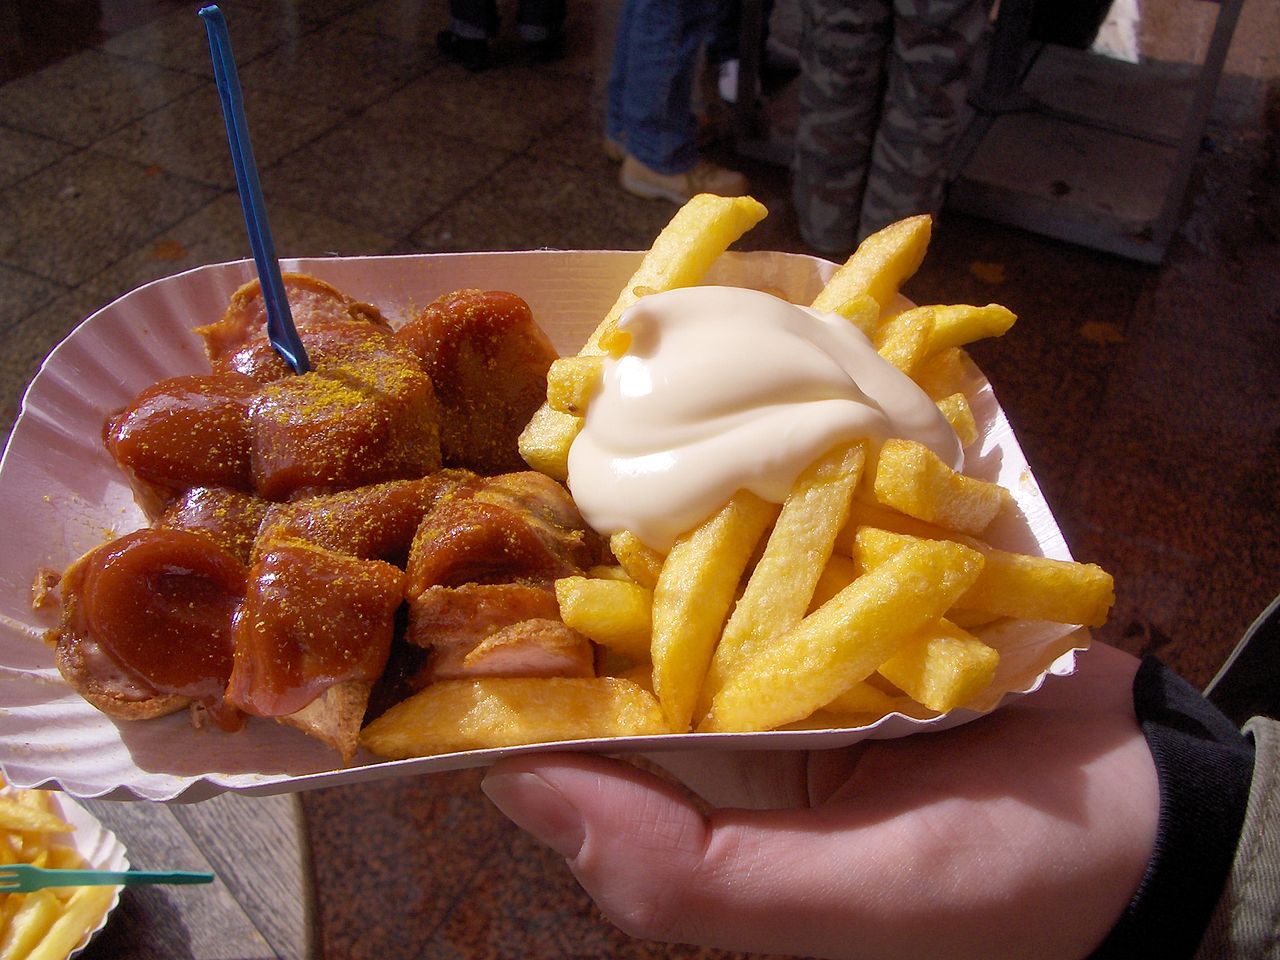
pixel 1204 765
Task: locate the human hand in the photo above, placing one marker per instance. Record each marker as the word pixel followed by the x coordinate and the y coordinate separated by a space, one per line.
pixel 1022 834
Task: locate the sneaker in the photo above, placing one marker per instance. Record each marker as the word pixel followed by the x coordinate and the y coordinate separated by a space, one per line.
pixel 472 54
pixel 706 177
pixel 613 149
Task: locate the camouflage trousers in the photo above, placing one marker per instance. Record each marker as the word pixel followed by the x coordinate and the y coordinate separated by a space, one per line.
pixel 882 93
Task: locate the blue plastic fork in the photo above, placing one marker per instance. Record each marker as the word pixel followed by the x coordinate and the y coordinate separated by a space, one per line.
pixel 23 878
pixel 280 329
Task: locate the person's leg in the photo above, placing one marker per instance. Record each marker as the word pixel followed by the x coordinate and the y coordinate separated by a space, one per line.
pixel 655 96
pixel 843 47
pixel 614 121
pixel 928 74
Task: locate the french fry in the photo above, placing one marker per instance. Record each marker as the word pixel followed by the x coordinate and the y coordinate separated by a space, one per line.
pixel 783 581
pixel 571 381
pixel 911 478
pixel 839 572
pixel 960 415
pixel 846 639
pixel 26 818
pixel 641 674
pixel 479 714
pixel 699 232
pixel 544 443
pixel 1038 588
pixel 865 513
pixel 879 267
pixel 863 698
pixel 944 667
pixel 78 916
pixel 607 571
pixel 954 325
pixel 641 563
pixel 862 311
pixel 692 598
pixel 35 916
pixel 946 372
pixel 614 613
pixel 904 339
pixel 1014 584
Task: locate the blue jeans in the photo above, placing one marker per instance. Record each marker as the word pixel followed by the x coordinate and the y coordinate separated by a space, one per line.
pixel 650 105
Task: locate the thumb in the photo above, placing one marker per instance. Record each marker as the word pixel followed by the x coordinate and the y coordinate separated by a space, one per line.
pixel 626 834
pixel 652 862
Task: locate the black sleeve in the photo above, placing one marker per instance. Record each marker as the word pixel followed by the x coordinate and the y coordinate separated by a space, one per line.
pixel 1204 765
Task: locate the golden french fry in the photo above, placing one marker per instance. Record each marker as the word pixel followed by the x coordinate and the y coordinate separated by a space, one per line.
pixel 34 917
pixel 544 443
pixel 957 324
pixel 79 916
pixel 614 613
pixel 911 478
pixel 862 311
pixel 9 904
pixel 783 581
pixel 1014 584
pixel 946 372
pixel 605 571
pixel 971 619
pixel 959 414
pixel 863 698
pixel 18 816
pixel 641 674
pixel 839 572
pixel 692 598
pixel 705 227
pixel 903 340
pixel 641 563
pixel 685 249
pixel 845 639
pixel 943 667
pixel 865 513
pixel 571 381
pixel 1038 588
pixel 478 714
pixel 879 267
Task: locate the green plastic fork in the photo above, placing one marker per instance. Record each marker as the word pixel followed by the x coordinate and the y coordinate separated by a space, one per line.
pixel 23 878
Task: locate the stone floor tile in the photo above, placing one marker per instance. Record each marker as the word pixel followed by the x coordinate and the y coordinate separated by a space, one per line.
pixel 383 171
pixel 189 136
pixel 79 99
pixel 82 214
pixel 73 219
pixel 22 154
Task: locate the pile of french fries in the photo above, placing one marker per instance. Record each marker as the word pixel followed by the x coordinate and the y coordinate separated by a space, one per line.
pixel 847 602
pixel 46 924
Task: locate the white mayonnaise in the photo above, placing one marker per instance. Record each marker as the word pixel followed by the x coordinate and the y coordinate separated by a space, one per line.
pixel 725 389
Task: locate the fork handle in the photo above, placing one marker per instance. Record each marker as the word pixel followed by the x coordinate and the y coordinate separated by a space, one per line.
pixel 127 878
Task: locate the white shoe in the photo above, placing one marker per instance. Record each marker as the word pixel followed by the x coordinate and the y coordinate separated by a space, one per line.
pixel 679 188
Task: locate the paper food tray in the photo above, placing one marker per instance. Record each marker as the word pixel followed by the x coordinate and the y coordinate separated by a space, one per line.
pixel 61 494
pixel 99 847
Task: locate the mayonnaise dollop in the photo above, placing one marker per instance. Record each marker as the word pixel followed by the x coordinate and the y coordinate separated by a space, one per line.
pixel 725 389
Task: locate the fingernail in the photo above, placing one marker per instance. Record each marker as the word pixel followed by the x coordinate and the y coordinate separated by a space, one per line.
pixel 534 805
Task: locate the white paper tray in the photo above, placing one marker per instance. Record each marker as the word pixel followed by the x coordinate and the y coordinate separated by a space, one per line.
pixel 99 847
pixel 61 494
